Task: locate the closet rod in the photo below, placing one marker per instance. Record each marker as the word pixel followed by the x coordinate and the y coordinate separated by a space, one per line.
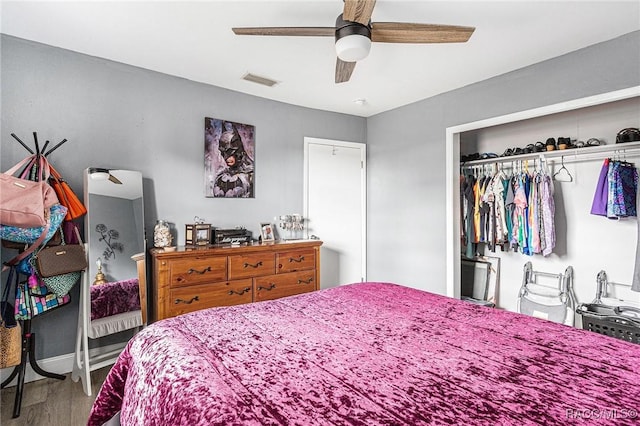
pixel 570 155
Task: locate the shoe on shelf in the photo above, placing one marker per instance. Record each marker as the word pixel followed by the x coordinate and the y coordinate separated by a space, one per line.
pixel 551 144
pixel 564 143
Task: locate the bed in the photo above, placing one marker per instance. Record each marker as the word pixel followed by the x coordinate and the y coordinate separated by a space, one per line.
pixel 369 354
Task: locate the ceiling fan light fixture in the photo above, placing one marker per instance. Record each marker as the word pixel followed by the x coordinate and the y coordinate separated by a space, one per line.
pixel 98 173
pixel 353 48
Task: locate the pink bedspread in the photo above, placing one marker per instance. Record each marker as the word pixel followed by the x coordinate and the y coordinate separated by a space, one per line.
pixel 369 354
pixel 114 298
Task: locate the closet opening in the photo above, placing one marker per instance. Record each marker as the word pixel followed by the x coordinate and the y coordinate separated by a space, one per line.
pixel 573 174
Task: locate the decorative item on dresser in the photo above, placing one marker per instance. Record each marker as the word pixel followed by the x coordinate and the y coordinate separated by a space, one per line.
pixel 190 279
pixel 161 234
pixel 197 234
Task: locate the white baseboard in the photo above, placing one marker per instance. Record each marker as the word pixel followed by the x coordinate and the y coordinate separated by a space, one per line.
pixel 61 364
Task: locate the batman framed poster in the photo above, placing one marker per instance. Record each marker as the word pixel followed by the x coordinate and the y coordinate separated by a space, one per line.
pixel 229 159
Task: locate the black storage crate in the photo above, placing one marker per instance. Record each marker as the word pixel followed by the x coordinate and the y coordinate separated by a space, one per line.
pixel 610 321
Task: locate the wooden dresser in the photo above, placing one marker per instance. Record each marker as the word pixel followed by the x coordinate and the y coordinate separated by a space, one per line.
pixel 189 278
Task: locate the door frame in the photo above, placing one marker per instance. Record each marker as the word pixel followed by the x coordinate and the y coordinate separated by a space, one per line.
pixel 363 186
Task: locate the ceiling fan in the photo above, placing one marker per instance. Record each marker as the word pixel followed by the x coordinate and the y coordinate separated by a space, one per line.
pixel 354 33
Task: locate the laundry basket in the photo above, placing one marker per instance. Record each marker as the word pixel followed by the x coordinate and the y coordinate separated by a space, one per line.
pixel 621 322
pixel 616 321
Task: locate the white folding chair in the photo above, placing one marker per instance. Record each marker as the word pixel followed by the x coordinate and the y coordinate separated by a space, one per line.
pixel 552 300
pixel 86 359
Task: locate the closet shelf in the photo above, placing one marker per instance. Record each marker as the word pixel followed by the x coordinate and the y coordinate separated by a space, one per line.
pixel 573 154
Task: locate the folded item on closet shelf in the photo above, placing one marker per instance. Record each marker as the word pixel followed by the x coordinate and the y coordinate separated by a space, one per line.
pixel 631 134
pixel 469 157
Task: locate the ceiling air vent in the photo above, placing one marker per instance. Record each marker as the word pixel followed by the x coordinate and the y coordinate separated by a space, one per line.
pixel 260 80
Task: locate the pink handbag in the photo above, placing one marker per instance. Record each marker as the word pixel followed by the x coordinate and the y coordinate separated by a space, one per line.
pixel 24 203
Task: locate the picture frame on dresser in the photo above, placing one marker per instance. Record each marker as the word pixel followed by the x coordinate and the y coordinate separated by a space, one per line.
pixel 197 234
pixel 266 232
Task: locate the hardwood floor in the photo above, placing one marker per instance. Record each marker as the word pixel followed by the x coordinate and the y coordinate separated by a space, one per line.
pixel 51 402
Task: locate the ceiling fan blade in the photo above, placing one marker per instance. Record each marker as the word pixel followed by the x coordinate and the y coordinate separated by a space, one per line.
pixel 344 70
pixel 114 179
pixel 400 32
pixel 287 31
pixel 358 10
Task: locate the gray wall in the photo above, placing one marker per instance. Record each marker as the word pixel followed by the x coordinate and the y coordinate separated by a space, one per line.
pixel 406 152
pixel 119 116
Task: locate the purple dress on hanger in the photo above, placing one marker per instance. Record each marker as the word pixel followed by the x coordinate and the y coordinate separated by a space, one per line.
pixel 599 205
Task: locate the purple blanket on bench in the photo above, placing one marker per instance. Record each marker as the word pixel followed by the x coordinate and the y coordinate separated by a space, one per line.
pixel 369 354
pixel 114 298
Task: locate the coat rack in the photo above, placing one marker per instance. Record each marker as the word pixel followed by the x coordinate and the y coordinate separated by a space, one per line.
pixel 28 337
pixel 44 148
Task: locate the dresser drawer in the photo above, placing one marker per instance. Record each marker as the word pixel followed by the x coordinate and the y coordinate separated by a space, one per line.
pixel 298 260
pixel 197 270
pixel 281 285
pixel 228 293
pixel 251 265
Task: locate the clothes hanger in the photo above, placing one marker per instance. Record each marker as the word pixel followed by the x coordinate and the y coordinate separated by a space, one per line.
pixel 559 175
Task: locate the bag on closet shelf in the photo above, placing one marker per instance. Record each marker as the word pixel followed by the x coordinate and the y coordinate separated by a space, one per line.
pixel 33 298
pixel 25 203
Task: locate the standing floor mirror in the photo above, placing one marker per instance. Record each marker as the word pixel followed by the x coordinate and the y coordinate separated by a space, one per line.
pixel 110 294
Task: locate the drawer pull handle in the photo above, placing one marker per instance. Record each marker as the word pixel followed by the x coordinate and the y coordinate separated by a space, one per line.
pixel 205 270
pixel 246 265
pixel 309 281
pixel 271 287
pixel 187 302
pixel 298 260
pixel 241 292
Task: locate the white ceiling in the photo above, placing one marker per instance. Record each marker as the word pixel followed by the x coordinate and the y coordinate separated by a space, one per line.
pixel 194 40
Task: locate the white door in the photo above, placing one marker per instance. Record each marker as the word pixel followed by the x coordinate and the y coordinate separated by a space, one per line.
pixel 335 207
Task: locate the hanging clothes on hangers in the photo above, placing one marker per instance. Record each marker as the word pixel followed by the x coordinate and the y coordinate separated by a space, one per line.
pixel 616 191
pixel 548 216
pixel 519 236
pixel 514 212
pixel 623 185
pixel 467 191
